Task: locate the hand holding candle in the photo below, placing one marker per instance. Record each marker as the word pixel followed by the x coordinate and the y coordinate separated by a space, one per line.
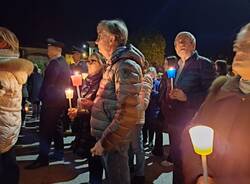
pixel 202 140
pixel 171 72
pixel 69 95
pixel 84 76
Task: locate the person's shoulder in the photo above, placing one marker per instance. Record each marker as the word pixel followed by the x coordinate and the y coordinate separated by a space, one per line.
pixel 204 59
pixel 17 65
pixel 128 63
pixel 218 83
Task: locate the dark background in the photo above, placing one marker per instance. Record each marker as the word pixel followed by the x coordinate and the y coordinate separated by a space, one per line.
pixel 213 22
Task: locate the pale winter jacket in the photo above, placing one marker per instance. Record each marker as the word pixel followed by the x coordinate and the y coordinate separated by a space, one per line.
pixel 13 74
pixel 115 110
pixel 145 93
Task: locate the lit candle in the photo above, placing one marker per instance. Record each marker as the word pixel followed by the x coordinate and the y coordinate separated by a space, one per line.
pixel 171 72
pixel 69 95
pixel 202 139
pixel 84 76
pixel 26 108
pixel 77 81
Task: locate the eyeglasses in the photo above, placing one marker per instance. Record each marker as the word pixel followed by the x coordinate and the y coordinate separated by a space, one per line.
pixel 91 61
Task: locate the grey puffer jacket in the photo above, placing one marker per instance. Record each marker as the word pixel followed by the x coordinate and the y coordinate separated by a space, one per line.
pixel 115 110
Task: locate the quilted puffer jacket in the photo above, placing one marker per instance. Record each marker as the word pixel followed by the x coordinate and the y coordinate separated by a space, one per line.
pixel 116 107
pixel 13 74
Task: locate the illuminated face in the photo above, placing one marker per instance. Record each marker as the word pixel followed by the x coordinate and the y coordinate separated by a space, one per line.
pixel 76 56
pixel 3 44
pixel 94 66
pixel 104 42
pixel 184 46
pixel 241 65
pixel 165 64
pixel 53 51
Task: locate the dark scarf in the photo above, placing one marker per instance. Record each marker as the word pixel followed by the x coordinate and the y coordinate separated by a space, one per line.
pixel 89 89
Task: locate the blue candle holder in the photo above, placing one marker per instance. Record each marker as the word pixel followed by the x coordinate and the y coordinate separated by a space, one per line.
pixel 171 72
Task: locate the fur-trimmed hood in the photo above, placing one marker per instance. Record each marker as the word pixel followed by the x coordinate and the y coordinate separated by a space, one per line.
pixel 20 68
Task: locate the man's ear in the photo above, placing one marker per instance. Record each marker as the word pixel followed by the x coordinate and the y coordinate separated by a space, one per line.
pixel 111 39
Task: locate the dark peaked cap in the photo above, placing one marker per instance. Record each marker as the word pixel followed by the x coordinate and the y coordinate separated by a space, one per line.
pixel 77 49
pixel 55 43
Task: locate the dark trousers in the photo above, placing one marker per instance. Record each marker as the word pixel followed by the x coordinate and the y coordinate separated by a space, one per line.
pixel 116 165
pixel 175 132
pixel 36 109
pixel 9 171
pixel 51 128
pixel 23 111
pixel 158 147
pixel 178 120
pixel 148 130
pixel 95 169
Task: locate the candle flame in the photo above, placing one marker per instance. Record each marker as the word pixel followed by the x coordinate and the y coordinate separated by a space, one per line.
pixel 69 93
pixel 84 75
pixel 76 72
pixel 171 68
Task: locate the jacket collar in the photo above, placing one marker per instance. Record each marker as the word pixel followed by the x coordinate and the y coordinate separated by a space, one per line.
pixel 231 88
pixel 193 57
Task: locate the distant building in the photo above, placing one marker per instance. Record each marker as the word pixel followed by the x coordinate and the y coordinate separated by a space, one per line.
pixel 36 55
pixel 92 47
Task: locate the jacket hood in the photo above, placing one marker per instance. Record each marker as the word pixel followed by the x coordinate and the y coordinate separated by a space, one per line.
pixel 20 68
pixel 128 52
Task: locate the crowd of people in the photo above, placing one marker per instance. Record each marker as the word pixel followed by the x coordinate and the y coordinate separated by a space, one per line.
pixel 124 104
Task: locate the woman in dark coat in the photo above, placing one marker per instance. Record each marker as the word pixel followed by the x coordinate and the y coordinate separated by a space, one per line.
pixel 84 140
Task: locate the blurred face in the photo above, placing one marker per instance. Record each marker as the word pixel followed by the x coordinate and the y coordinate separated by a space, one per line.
pixel 3 44
pixel 184 47
pixel 53 51
pixel 76 56
pixel 241 65
pixel 106 43
pixel 153 75
pixel 165 65
pixel 94 66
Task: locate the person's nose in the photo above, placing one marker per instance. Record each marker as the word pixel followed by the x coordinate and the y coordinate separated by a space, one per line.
pixel 97 40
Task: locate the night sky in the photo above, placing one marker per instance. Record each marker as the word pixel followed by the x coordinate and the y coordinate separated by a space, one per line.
pixel 213 22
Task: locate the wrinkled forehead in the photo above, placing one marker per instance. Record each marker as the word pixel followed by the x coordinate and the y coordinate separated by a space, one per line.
pixel 102 29
pixel 184 37
pixel 103 32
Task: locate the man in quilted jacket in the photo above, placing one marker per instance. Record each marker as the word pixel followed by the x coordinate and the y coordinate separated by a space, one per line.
pixel 114 113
